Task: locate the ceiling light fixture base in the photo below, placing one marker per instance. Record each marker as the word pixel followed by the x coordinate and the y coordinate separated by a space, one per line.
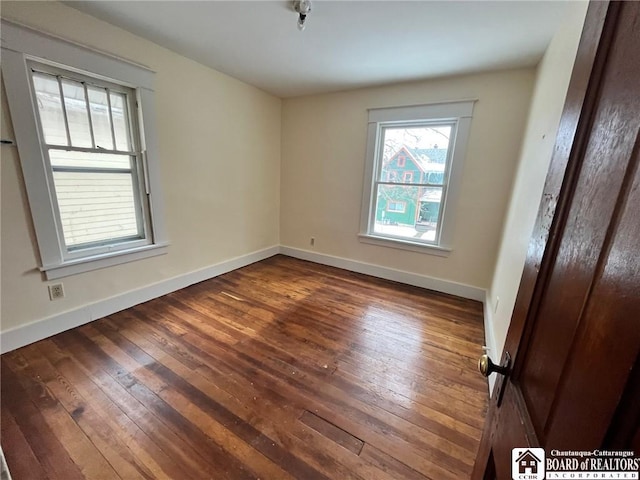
pixel 302 8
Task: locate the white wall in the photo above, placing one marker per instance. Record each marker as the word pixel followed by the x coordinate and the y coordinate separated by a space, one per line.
pixel 323 158
pixel 299 175
pixel 219 142
pixel 552 82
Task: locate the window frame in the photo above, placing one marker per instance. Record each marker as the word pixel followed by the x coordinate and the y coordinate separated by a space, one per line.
pixel 407 177
pixel 137 172
pixel 397 202
pixel 458 113
pixel 23 47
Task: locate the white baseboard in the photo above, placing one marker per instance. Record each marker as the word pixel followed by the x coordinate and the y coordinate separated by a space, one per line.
pixel 32 332
pixel 26 334
pixel 490 338
pixel 431 283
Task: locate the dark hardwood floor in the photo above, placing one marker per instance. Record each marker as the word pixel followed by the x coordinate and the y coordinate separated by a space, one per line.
pixel 282 369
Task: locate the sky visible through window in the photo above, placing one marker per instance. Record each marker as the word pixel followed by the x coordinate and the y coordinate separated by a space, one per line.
pixel 421 137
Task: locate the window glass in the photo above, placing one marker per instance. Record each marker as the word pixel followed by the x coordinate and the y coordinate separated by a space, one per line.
pixel 77 115
pixel 95 207
pixel 63 158
pixel 98 199
pixel 415 161
pixel 50 111
pixel 100 118
pixel 120 121
pixel 412 166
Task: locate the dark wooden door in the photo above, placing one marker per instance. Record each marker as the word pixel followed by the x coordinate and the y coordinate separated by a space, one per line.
pixel 574 338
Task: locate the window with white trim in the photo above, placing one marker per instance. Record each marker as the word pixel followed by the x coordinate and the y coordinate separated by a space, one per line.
pixel 433 140
pixel 85 132
pixel 90 141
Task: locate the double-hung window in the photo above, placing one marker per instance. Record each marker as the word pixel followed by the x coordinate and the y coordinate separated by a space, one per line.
pixel 90 141
pixel 415 158
pixel 85 133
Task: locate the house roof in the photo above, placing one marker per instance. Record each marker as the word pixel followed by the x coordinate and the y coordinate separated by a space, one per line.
pixel 431 195
pixel 527 453
pixel 432 155
pixel 427 159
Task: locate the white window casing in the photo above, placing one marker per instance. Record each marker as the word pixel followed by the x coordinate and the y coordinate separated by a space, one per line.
pixel 456 114
pixel 25 50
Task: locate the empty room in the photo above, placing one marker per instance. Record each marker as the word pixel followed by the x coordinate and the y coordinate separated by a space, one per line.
pixel 319 239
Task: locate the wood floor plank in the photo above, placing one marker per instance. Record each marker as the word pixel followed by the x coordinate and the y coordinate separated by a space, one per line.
pixel 82 451
pixel 129 434
pixel 260 442
pixel 275 414
pixel 95 427
pixel 333 432
pixel 210 454
pixel 363 419
pixel 18 452
pixel 296 389
pixel 389 464
pixel 225 423
pixel 283 369
pixel 144 411
pixel 44 442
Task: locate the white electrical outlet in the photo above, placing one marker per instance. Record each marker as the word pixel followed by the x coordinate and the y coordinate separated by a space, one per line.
pixel 495 307
pixel 56 291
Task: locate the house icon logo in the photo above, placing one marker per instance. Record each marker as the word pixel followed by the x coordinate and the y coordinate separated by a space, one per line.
pixel 527 464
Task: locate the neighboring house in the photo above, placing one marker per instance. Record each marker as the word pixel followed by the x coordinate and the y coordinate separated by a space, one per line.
pixel 528 463
pixel 407 204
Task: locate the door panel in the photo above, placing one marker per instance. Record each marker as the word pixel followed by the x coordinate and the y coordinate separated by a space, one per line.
pixel 609 334
pixel 575 331
pixel 580 254
pixel 511 434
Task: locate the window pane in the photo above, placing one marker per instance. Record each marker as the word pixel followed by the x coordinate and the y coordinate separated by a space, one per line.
pixel 77 116
pixel 100 117
pixel 408 212
pixel 50 109
pixel 120 121
pixel 436 177
pixel 96 207
pixel 429 211
pixel 413 155
pixel 61 158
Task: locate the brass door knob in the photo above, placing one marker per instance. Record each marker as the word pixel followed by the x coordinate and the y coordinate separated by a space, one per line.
pixel 487 367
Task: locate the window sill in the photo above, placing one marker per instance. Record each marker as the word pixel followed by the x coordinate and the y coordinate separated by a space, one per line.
pixel 405 245
pixel 96 262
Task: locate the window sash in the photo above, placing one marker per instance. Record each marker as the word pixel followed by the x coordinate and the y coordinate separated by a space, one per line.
pixel 401 184
pixel 136 168
pixel 129 103
pixel 124 241
pixel 374 209
pixel 378 169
